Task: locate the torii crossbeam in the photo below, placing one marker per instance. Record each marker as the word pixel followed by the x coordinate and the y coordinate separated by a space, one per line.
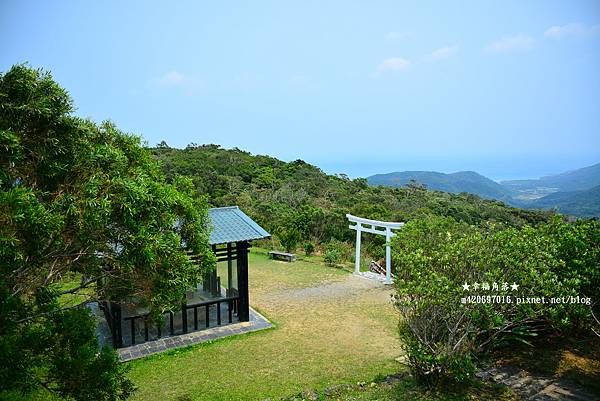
pixel 374 227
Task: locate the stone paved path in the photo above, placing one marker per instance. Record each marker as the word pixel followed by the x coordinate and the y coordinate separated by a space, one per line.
pixel 536 387
pixel 352 286
pixel 257 322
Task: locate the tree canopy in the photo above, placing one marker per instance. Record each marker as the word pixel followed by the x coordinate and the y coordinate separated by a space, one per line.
pixel 85 214
pixel 297 197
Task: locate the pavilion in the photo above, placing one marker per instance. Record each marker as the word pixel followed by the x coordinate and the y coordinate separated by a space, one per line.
pixel 221 298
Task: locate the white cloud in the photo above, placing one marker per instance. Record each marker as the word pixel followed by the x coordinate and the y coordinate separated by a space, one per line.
pixel 393 64
pixel 510 44
pixel 572 30
pixel 398 64
pixel 441 54
pixel 174 78
pixel 397 35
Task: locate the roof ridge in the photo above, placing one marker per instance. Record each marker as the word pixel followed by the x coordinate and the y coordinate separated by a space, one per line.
pixel 224 207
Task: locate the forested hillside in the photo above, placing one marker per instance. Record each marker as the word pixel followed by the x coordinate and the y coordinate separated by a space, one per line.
pixel 578 203
pixel 296 198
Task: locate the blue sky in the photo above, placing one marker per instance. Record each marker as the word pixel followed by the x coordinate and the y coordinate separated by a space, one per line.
pixel 510 89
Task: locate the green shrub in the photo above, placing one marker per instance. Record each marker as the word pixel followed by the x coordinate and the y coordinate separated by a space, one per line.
pixel 435 257
pixel 336 252
pixel 332 256
pixel 309 248
pixel 578 246
pixel 289 238
pixel 345 249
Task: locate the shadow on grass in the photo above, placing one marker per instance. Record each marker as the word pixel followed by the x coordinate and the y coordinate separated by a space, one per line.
pixel 402 387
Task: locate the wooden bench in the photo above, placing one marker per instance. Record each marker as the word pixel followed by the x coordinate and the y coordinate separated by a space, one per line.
pixel 290 257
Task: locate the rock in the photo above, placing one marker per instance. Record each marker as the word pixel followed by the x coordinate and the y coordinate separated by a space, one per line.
pixel 309 394
pixel 396 377
pixel 329 391
pixel 402 359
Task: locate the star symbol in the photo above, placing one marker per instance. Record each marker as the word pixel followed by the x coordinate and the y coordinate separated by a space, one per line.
pixel 466 287
pixel 514 286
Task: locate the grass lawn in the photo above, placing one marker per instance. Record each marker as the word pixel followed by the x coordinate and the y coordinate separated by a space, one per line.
pixel 330 328
pixel 406 389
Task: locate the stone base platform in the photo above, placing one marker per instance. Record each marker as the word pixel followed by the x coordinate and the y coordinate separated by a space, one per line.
pixel 257 322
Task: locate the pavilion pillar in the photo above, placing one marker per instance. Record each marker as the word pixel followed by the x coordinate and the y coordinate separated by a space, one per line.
pixel 388 256
pixel 358 239
pixel 242 275
pixel 229 269
pixel 116 315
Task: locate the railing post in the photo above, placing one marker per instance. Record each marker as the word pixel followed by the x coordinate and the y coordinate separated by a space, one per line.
pixel 207 315
pixel 184 318
pixel 229 310
pixel 171 327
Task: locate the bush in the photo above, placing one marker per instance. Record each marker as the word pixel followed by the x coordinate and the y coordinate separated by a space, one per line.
pixel 336 252
pixel 290 238
pixel 309 248
pixel 332 257
pixel 435 257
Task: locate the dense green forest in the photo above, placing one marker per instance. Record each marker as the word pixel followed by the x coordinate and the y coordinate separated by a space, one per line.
pixel 299 199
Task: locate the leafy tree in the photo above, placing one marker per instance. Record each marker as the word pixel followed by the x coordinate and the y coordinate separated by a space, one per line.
pixel 289 238
pixel 84 202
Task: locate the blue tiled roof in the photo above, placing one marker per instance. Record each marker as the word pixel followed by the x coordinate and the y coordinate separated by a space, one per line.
pixel 230 224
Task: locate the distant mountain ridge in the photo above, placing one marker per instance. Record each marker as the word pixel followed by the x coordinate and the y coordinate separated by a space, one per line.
pixel 574 180
pixel 462 181
pixel 575 192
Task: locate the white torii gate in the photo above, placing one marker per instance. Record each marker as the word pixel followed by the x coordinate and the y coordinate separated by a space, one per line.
pixel 373 229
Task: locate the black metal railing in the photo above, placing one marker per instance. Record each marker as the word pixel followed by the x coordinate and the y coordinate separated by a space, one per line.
pixel 232 309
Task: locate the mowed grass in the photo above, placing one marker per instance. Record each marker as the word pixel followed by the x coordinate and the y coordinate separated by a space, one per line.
pixel 318 340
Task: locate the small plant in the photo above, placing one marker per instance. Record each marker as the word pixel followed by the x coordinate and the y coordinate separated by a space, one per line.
pixel 345 249
pixel 332 256
pixel 309 248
